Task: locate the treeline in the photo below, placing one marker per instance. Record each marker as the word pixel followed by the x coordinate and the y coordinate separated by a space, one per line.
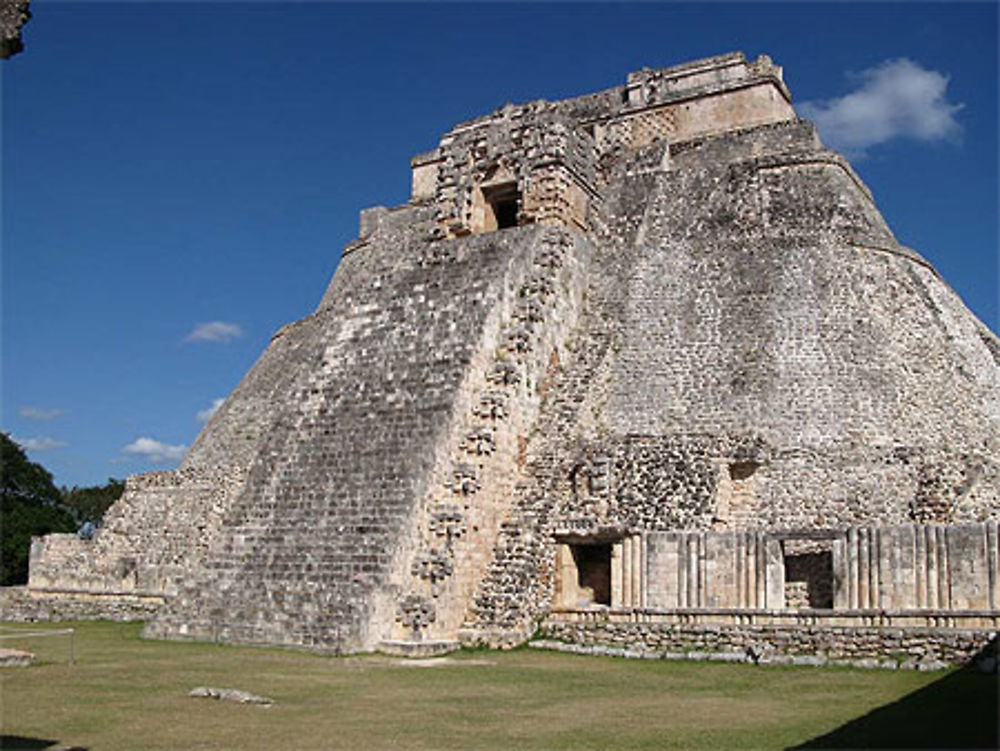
pixel 89 504
pixel 31 504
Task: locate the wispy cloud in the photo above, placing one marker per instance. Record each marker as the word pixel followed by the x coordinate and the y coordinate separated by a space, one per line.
pixel 39 444
pixel 896 99
pixel 37 413
pixel 157 451
pixel 205 415
pixel 214 331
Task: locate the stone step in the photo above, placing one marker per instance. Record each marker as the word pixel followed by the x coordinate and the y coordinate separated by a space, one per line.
pixel 424 648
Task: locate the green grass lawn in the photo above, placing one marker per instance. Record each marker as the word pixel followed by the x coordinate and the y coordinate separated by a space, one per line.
pixel 129 693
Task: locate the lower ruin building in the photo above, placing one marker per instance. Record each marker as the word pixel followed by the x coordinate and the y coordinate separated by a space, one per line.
pixel 645 366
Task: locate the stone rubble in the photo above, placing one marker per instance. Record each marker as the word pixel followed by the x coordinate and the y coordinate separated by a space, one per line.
pixel 229 694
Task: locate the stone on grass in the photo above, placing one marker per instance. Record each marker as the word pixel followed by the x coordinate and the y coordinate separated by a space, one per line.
pixel 229 694
pixel 15 658
pixel 926 665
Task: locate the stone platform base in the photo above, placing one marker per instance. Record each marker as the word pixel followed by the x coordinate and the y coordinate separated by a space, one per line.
pixel 399 648
pixel 493 638
pixel 25 605
pixel 858 646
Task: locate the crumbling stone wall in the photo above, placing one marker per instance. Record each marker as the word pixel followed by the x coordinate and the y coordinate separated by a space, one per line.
pixel 151 540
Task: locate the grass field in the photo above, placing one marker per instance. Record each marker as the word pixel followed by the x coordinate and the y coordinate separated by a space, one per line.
pixel 129 693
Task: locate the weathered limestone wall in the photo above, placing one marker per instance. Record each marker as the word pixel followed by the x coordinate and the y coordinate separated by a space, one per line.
pixel 916 566
pixel 796 328
pixel 893 568
pixel 778 644
pixel 333 530
pixel 757 352
pixel 531 148
pixel 152 538
pixel 475 477
pixel 700 77
pixel 698 113
pixel 22 604
pixel 236 431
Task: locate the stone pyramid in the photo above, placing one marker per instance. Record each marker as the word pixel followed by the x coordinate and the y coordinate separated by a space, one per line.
pixel 661 307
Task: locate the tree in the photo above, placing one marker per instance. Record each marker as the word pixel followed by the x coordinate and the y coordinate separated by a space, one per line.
pixel 30 504
pixel 89 504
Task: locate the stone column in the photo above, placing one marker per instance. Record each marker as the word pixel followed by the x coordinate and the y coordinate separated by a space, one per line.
pixel 739 554
pixel 852 568
pixel 864 601
pixel 841 594
pixel 616 575
pixel 682 567
pixel 944 579
pixel 703 581
pixel 920 566
pixel 561 581
pixel 774 595
pixel 931 558
pixel 875 555
pixel 670 543
pixel 627 572
pixel 636 571
pixel 897 567
pixel 757 571
pixel 992 563
pixel 569 577
pixel 693 573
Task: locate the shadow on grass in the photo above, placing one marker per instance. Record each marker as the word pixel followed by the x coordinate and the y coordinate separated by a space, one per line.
pixel 958 711
pixel 20 743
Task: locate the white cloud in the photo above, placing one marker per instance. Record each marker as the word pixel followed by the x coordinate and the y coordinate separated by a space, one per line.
pixel 154 450
pixel 37 413
pixel 896 99
pixel 39 444
pixel 205 415
pixel 214 331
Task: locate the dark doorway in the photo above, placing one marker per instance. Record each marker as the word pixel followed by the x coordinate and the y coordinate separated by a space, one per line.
pixel 506 213
pixel 504 200
pixel 809 580
pixel 593 568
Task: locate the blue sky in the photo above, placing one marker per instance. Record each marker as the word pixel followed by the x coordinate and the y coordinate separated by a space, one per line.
pixel 179 178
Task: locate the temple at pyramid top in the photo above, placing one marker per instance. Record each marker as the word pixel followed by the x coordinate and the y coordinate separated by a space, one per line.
pixel 542 161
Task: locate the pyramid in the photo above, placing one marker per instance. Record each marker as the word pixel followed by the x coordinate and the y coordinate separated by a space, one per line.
pixel 661 310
